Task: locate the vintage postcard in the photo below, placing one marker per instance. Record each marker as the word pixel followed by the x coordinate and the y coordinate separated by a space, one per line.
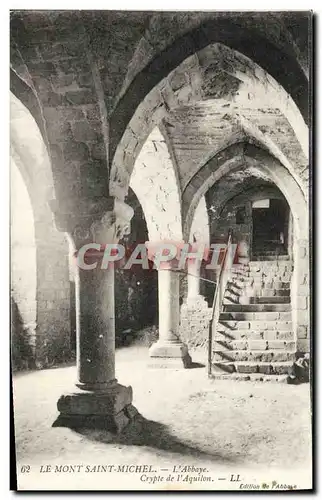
pixel 160 250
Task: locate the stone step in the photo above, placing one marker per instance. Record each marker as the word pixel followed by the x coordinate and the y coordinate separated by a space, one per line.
pixel 230 300
pixel 267 258
pixel 247 344
pixel 263 307
pixel 265 274
pixel 262 276
pixel 254 355
pixel 268 276
pixel 280 324
pixel 252 367
pixel 227 336
pixel 270 265
pixel 266 292
pixel 278 299
pixel 252 377
pixel 269 253
pixel 254 316
pixel 242 299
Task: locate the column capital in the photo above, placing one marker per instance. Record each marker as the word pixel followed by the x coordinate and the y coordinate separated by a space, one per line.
pixel 103 220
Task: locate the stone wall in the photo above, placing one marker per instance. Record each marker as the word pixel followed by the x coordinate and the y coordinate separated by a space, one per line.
pixel 301 295
pixel 23 274
pixel 40 288
pixel 194 323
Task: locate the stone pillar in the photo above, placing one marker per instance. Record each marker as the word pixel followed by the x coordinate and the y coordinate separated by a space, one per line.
pixel 169 351
pixel 98 401
pixel 193 279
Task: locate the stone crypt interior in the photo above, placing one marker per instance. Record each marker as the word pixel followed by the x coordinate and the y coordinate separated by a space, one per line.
pixel 151 126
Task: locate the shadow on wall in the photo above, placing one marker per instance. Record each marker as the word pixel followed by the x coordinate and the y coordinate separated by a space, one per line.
pixel 22 357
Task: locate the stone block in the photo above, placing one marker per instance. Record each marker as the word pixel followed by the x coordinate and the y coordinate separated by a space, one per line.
pixel 285 316
pixel 85 80
pixel 54 99
pixel 287 335
pixel 62 80
pixel 302 303
pixel 283 326
pixel 243 325
pixel 302 332
pixel 223 367
pixel 281 368
pixel 260 345
pixel 85 131
pixel 281 344
pixel 80 97
pixel 266 316
pixel 73 151
pixel 303 317
pixel 283 356
pixel 265 368
pixel 303 290
pixel 247 367
pixel 238 345
pixel 270 335
pixel 111 423
pixel 171 351
pixel 259 326
pixel 98 151
pixel 266 356
pixel 92 112
pixel 303 345
pixel 255 335
pixel 108 402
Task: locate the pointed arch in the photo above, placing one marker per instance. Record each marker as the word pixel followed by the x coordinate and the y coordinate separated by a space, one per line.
pixel 155 183
pixel 29 154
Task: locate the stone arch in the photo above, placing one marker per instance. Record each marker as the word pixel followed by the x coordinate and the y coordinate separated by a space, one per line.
pixel 261 164
pixel 23 92
pixel 270 42
pixel 154 181
pixel 200 224
pixel 236 187
pixel 201 76
pixel 29 153
pixel 233 191
pixel 236 157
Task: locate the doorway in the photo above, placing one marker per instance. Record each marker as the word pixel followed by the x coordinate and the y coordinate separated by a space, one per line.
pixel 270 219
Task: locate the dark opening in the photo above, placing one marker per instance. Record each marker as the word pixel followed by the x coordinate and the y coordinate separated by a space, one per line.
pixel 270 228
pixel 240 215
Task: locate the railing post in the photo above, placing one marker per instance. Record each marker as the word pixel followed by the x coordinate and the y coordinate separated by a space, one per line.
pixel 218 298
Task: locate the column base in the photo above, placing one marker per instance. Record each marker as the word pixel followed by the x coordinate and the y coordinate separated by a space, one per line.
pixel 169 355
pixel 109 409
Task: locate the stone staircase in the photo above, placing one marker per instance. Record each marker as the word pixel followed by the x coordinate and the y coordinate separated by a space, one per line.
pixel 254 337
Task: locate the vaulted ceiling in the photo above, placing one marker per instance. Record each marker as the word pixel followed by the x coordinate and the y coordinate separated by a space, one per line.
pixel 98 82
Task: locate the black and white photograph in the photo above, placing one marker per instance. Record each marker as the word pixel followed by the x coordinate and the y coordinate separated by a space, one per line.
pixel 161 250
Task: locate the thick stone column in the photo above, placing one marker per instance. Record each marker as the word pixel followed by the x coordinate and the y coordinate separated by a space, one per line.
pixel 99 401
pixel 169 351
pixel 193 279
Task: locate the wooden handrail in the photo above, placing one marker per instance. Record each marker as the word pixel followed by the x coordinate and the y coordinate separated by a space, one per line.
pixel 217 302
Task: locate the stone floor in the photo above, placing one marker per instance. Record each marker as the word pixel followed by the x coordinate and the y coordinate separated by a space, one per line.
pixel 260 431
